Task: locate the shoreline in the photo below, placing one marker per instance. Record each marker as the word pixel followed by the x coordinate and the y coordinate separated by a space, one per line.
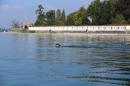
pixel 72 33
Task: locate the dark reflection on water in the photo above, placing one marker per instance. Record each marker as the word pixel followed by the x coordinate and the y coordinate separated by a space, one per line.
pixel 114 47
pixel 31 60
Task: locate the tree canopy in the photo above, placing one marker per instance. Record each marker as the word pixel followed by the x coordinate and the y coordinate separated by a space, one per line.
pixel 41 16
pixel 123 7
pixel 70 19
pixel 98 13
pixel 63 17
pixel 80 17
pixel 15 24
pixel 50 18
pixel 101 12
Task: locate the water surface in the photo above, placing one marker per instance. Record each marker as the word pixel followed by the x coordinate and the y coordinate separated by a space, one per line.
pixel 82 60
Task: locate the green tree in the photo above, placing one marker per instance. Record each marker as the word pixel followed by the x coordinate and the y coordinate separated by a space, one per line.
pixel 41 16
pixel 63 18
pixel 123 7
pixel 101 12
pixel 70 19
pixel 94 10
pixel 128 21
pixel 81 17
pixel 119 19
pixel 107 13
pixel 58 15
pixel 50 18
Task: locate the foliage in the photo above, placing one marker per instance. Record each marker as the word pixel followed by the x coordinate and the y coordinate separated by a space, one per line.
pixel 58 15
pixel 94 10
pixel 123 7
pixel 101 12
pixel 41 16
pixel 15 24
pixel 128 21
pixel 63 18
pixel 70 19
pixel 50 18
pixel 107 13
pixel 119 19
pixel 60 18
pixel 80 17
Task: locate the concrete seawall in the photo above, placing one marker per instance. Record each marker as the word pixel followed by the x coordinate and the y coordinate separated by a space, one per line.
pixel 87 29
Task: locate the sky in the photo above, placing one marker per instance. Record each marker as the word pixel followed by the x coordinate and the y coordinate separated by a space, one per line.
pixel 24 10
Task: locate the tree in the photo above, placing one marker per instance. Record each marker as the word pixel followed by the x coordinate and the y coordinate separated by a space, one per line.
pixel 107 13
pixel 123 7
pixel 119 19
pixel 128 21
pixel 80 17
pixel 70 19
pixel 41 16
pixel 94 10
pixel 101 12
pixel 50 18
pixel 15 24
pixel 63 18
pixel 58 15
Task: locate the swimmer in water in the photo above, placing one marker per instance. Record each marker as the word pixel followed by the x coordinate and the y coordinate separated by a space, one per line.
pixel 57 45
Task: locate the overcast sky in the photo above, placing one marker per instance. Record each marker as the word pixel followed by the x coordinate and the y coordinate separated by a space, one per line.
pixel 24 10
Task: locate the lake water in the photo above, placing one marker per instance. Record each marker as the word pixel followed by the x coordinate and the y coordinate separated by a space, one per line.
pixel 82 60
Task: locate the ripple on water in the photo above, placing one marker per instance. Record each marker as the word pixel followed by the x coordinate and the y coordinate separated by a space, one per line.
pixel 31 60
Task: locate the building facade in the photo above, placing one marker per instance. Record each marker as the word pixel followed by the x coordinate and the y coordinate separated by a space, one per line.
pixel 26 25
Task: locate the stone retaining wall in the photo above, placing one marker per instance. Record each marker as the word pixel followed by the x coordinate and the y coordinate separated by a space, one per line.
pixel 89 29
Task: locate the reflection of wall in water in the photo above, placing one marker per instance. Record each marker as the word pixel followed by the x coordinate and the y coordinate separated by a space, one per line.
pixel 111 39
pixel 88 39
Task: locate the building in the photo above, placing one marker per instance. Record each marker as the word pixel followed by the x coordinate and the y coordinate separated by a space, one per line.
pixel 26 25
